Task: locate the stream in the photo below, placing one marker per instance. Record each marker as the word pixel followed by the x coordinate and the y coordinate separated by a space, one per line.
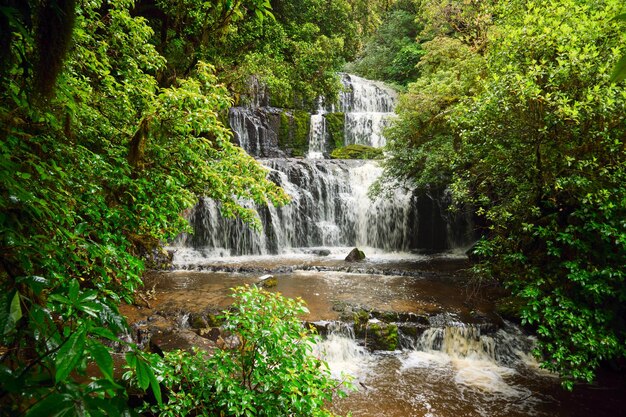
pixel 454 357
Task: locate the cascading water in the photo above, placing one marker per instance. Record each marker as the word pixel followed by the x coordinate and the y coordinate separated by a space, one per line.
pixel 368 106
pixel 317 134
pixel 444 361
pixel 330 206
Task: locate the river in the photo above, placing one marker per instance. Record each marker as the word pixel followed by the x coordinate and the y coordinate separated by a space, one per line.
pixel 461 360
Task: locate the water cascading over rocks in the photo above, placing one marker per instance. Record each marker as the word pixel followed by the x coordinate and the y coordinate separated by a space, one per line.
pixel 330 206
pixel 368 106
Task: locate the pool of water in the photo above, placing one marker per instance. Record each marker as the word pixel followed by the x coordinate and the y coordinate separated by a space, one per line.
pixel 458 373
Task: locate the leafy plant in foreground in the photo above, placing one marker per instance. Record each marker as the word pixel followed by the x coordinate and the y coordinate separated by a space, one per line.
pixel 268 370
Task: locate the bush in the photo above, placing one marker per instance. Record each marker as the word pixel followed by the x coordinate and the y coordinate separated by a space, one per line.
pixel 269 371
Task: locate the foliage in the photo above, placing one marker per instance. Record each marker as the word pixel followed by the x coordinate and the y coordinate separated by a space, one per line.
pixel 269 372
pixel 356 151
pixel 536 146
pixel 422 141
pixel 107 162
pixel 466 20
pixel 292 49
pixel 392 52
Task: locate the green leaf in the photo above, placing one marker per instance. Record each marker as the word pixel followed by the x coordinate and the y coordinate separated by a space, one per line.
pixel 36 283
pixel 15 313
pixel 144 373
pixel 619 72
pixel 103 359
pixel 10 311
pixel 70 354
pixel 51 406
pixel 73 291
pixel 156 388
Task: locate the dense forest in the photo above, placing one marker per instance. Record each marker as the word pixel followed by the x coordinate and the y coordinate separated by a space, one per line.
pixel 113 122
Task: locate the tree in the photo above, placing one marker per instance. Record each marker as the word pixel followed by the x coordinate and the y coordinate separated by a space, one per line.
pixel 542 158
pixel 97 169
pixel 536 145
pixel 392 52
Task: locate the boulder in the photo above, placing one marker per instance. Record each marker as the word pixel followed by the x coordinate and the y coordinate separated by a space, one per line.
pixel 268 281
pixel 182 339
pixel 355 255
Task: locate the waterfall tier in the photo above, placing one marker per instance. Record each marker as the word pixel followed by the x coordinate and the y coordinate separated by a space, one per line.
pixel 367 106
pixel 329 208
pixel 363 111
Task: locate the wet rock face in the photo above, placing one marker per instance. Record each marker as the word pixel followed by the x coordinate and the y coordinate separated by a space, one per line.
pixel 355 255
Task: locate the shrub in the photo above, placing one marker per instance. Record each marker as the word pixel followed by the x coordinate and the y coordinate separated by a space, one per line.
pixel 269 371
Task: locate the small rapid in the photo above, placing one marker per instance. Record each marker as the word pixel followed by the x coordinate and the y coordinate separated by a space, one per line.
pixel 452 370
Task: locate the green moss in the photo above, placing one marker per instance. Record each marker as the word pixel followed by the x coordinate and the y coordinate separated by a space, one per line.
pixel 301 126
pixel 361 317
pixel 382 336
pixel 269 282
pixel 335 125
pixel 214 319
pixel 293 132
pixel 357 152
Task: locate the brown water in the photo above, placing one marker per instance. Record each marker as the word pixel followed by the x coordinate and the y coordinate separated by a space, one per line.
pixel 457 377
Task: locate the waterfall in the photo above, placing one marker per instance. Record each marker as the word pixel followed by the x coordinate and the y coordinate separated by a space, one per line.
pixel 368 107
pixel 329 208
pixel 256 130
pixel 488 363
pixel 342 352
pixel 317 134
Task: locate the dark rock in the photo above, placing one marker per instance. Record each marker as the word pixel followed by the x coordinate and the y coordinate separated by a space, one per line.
pixel 355 255
pixel 182 339
pixel 211 333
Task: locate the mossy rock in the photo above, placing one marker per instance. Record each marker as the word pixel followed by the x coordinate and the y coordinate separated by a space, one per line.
pixel 381 336
pixel 360 317
pixel 356 151
pixel 355 255
pixel 270 282
pixel 293 132
pixel 214 319
pixel 335 127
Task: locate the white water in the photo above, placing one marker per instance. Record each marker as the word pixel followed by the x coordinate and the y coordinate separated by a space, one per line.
pixel 345 357
pixel 317 134
pixel 489 368
pixel 368 107
pixel 329 208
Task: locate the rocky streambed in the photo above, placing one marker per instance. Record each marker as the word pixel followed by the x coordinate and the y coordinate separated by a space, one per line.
pixel 418 338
